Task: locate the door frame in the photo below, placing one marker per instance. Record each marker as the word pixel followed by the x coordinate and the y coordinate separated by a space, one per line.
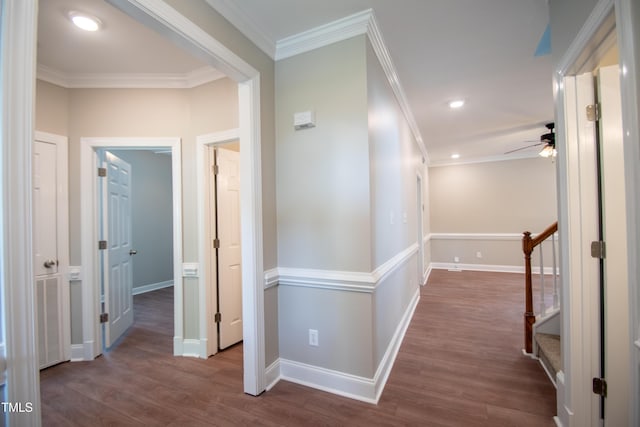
pixel 161 17
pixel 90 220
pixel 573 391
pixel 209 334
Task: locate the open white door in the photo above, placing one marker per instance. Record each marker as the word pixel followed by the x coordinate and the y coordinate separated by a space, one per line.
pixel 117 261
pixel 229 253
pixel 616 289
pixel 50 248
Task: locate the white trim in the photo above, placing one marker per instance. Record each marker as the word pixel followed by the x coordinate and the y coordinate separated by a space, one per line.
pixel 384 57
pixel 324 35
pixel 351 386
pixel 270 278
pixel 138 290
pixel 232 12
pixel 77 352
pixel 475 236
pixel 489 268
pixel 194 348
pixel 188 80
pixel 353 281
pixel 389 358
pixel 89 219
pixel 355 387
pixel 158 15
pixel 272 374
pixel 18 56
pixel 207 286
pixel 477 267
pixel 488 159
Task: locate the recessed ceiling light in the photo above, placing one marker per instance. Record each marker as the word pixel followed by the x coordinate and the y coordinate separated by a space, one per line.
pixel 84 21
pixel 458 103
pixel 455 156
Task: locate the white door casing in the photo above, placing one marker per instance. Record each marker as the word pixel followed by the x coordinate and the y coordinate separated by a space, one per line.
pixel 51 247
pixel 117 261
pixel 92 331
pixel 229 253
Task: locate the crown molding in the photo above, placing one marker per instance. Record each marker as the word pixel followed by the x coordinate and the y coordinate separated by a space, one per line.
pixel 488 159
pixel 189 80
pixel 232 13
pixel 324 35
pixel 384 57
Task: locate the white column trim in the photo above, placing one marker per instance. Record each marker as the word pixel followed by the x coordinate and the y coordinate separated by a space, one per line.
pixel 18 54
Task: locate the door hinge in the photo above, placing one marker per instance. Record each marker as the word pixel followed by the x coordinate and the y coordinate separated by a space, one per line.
pixel 215 169
pixel 217 318
pixel 102 172
pixel 216 243
pixel 598 249
pixel 593 112
pixel 102 244
pixel 600 387
pixel 104 317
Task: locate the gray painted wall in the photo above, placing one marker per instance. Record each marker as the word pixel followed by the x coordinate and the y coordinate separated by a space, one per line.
pixel 345 188
pixel 152 218
pixel 323 172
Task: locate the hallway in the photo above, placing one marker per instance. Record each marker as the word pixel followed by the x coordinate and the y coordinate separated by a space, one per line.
pixel 460 365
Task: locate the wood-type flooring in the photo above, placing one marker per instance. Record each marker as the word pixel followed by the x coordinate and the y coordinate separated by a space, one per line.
pixel 460 365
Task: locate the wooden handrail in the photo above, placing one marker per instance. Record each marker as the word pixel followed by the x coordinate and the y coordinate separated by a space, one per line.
pixel 528 245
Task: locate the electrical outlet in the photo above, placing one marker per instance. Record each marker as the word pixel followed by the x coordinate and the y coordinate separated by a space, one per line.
pixel 313 337
pixel 456 259
pixel 478 254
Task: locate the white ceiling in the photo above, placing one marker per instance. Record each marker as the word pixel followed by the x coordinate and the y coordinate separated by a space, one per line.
pixel 482 51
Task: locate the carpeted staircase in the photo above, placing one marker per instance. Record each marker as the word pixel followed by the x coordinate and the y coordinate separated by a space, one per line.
pixel 549 353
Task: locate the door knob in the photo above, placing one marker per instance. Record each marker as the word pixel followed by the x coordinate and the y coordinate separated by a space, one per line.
pixel 50 263
pixel 133 252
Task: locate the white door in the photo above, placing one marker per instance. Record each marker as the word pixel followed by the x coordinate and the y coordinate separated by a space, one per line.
pixel 50 248
pixel 229 253
pixel 616 285
pixel 117 274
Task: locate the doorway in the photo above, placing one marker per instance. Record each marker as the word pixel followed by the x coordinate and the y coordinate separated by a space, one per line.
pixel 150 226
pixel 593 211
pixel 91 149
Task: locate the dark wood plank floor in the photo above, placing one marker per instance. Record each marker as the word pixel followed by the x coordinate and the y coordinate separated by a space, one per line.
pixel 460 365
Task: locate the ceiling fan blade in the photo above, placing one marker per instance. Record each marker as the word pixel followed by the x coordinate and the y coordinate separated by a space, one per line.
pixel 524 148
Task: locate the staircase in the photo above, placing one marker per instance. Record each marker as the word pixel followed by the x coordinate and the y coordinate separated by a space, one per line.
pixel 542 326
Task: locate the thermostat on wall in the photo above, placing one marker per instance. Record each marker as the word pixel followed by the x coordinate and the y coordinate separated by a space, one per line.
pixel 304 120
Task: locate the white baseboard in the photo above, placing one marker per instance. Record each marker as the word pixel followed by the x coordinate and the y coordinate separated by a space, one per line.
pixel 355 387
pixel 389 358
pixel 272 374
pixel 425 277
pixel 488 267
pixel 477 267
pixel 347 385
pixel 82 352
pixel 189 347
pixel 151 287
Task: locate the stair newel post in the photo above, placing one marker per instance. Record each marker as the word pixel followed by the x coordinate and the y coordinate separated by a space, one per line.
pixel 529 316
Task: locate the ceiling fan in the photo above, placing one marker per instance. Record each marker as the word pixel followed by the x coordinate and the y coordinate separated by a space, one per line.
pixel 548 140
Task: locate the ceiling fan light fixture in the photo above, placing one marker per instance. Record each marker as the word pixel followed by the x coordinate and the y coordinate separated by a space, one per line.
pixel 548 151
pixel 455 104
pixel 84 21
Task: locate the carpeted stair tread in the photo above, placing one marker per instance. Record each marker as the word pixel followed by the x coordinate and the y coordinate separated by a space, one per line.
pixel 549 351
